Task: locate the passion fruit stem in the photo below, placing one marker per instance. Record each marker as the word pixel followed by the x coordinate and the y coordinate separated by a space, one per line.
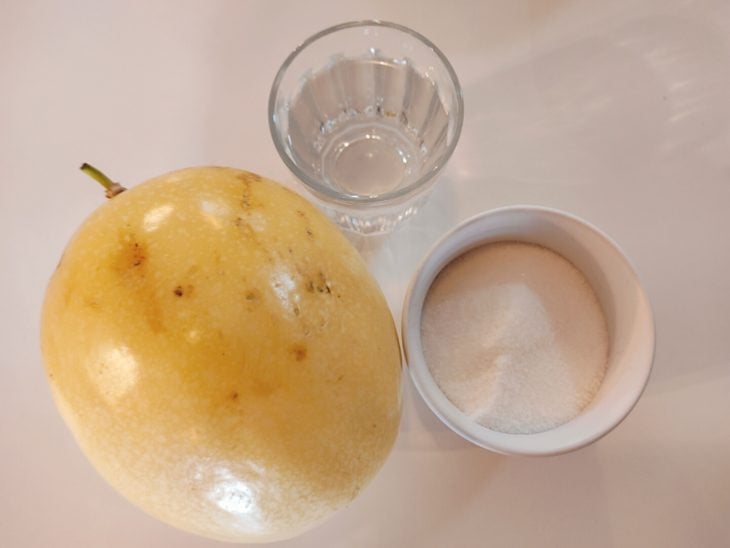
pixel 112 188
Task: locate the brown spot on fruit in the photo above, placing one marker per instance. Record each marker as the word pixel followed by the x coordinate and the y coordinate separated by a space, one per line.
pixel 234 395
pixel 322 284
pixel 186 290
pixel 247 177
pixel 307 228
pixel 131 266
pixel 247 230
pixel 263 388
pixel 92 303
pixel 138 255
pixel 252 299
pixel 246 198
pixel 132 256
pixel 298 351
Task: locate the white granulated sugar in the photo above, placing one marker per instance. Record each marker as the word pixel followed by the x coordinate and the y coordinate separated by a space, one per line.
pixel 515 337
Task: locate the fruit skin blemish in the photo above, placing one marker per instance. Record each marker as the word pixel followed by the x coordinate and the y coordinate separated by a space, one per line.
pixel 515 337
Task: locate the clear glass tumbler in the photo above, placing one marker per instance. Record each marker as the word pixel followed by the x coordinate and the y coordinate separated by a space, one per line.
pixel 366 114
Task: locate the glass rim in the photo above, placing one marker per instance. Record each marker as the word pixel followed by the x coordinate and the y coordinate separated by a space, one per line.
pixel 356 199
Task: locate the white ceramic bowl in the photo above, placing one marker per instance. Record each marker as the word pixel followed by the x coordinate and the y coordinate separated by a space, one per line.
pixel 625 305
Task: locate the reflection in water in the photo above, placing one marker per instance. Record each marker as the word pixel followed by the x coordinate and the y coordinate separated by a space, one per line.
pixel 154 218
pixel 115 373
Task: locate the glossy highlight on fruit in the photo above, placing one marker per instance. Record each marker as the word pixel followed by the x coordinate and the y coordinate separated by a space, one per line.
pixel 222 355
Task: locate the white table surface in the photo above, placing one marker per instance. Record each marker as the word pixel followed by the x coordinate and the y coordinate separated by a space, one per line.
pixel 618 112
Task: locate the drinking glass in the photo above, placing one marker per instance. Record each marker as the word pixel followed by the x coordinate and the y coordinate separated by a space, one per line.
pixel 366 114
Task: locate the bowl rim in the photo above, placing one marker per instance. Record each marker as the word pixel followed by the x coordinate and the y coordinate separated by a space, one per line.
pixel 509 444
pixel 356 199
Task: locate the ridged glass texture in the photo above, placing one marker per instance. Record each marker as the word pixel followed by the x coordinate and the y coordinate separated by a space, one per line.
pixel 366 114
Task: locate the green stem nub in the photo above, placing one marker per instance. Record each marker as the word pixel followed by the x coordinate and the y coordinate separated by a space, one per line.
pixel 112 188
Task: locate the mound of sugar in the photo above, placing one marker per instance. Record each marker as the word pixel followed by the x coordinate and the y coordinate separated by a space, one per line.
pixel 515 337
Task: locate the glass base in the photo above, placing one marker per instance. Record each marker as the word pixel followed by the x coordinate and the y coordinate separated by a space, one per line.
pixel 374 220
